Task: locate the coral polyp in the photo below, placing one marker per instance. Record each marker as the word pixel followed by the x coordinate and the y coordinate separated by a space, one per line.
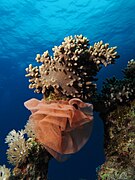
pixel 70 71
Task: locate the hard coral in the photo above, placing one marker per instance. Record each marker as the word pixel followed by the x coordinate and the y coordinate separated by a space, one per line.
pixel 129 71
pixel 116 91
pixel 71 70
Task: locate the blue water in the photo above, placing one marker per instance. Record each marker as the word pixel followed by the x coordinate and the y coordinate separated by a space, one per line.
pixel 29 27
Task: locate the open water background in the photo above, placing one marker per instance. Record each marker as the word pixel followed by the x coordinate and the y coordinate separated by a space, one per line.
pixel 29 27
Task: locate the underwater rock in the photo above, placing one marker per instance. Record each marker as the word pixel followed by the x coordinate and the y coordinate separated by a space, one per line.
pixel 118 115
pixel 119 129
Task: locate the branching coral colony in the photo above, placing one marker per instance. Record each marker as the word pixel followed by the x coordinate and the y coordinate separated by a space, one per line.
pixel 71 70
pixel 60 123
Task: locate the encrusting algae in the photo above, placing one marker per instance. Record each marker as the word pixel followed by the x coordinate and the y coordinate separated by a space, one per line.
pixel 61 122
